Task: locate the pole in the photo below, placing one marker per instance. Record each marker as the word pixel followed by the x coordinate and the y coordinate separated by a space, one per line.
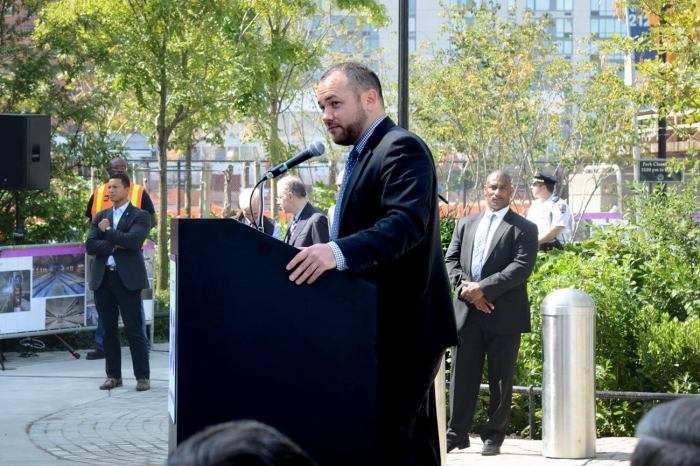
pixel 403 63
pixel 18 234
pixel 661 136
pixel 629 81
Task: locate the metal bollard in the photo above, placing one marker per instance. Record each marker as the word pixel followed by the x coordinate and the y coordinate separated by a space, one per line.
pixel 568 385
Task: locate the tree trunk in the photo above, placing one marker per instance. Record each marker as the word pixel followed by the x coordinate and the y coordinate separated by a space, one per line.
pixel 162 280
pixel 163 247
pixel 228 181
pixel 188 179
pixel 274 146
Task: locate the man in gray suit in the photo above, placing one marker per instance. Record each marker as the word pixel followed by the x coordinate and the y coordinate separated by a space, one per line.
pixel 489 261
pixel 118 275
pixel 308 225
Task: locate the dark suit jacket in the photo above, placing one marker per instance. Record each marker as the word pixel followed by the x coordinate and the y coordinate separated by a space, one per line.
pixel 312 228
pixel 507 266
pixel 389 233
pixel 129 235
pixel 268 224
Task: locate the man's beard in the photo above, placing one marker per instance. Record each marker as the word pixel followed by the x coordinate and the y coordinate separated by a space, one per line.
pixel 352 132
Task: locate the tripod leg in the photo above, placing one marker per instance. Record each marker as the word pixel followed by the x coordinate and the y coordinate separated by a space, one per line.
pixel 2 354
pixel 70 349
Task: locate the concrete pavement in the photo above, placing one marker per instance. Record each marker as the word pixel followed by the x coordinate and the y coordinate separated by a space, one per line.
pixel 52 413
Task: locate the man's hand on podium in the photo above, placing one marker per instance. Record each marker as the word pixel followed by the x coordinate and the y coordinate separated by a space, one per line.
pixel 310 263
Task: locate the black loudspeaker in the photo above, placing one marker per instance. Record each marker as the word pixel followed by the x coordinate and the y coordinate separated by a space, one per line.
pixel 25 143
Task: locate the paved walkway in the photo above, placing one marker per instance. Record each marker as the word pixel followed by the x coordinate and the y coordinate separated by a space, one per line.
pixel 52 413
pixel 610 452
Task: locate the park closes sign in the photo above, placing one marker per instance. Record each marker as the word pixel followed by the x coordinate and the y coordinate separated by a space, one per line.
pixel 655 170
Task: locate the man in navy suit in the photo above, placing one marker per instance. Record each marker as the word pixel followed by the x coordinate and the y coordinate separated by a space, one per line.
pixel 489 260
pixel 308 225
pixel 118 275
pixel 386 230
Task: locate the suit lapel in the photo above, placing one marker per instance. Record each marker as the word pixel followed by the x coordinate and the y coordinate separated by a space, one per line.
pixel 498 234
pixel 303 217
pixel 377 136
pixel 470 231
pixel 125 219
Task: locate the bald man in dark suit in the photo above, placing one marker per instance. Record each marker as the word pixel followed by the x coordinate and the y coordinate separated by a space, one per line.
pixel 489 260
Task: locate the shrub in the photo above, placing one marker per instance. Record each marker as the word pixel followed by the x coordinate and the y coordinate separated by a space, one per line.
pixel 644 277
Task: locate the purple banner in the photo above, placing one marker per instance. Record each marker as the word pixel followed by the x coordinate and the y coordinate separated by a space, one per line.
pixel 42 250
pixel 600 216
pixel 31 250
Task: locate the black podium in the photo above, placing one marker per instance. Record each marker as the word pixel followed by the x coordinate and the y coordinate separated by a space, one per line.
pixel 246 343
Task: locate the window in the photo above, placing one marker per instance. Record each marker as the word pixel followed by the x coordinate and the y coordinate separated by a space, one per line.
pixel 563 27
pixel 565 47
pixel 538 5
pixel 603 7
pixel 604 28
pixel 565 5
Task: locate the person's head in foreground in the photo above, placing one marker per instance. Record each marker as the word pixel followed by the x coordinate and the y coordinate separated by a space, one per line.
pixel 239 443
pixel 669 435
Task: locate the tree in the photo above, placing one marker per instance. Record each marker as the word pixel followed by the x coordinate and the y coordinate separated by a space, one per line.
pixel 295 35
pixel 33 78
pixel 173 57
pixel 498 98
pixel 672 85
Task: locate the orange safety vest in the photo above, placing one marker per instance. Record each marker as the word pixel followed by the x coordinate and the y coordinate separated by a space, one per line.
pixel 101 201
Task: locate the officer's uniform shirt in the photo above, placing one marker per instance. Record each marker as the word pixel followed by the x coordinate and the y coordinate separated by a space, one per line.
pixel 551 213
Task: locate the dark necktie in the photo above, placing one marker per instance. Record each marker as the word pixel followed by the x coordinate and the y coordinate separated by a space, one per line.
pixel 290 230
pixel 353 157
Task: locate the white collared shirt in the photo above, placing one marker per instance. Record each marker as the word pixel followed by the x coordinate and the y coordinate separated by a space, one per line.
pixel 116 216
pixel 494 226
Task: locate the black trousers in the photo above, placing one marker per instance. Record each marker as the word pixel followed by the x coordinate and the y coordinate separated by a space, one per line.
pixel 110 298
pixel 467 367
pixel 408 434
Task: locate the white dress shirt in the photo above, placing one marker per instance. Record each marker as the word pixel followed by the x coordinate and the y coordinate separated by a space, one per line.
pixel 116 216
pixel 494 226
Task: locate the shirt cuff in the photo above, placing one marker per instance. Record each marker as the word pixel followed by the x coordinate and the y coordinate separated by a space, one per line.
pixel 339 257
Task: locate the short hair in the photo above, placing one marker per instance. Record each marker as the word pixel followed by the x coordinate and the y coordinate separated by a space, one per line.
pixel 501 174
pixel 244 198
pixel 359 76
pixel 292 184
pixel 117 165
pixel 239 443
pixel 669 435
pixel 121 176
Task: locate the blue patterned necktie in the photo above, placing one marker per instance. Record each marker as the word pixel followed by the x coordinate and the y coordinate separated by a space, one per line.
pixel 480 249
pixel 353 157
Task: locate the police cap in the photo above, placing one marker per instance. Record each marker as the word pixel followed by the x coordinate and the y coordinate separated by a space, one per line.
pixel 544 178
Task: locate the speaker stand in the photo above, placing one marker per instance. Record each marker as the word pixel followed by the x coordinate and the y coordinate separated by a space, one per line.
pixel 18 233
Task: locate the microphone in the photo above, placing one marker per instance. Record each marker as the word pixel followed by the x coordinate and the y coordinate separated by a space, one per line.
pixel 314 150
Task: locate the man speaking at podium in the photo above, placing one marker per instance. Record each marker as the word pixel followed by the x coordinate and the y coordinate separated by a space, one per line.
pixel 387 230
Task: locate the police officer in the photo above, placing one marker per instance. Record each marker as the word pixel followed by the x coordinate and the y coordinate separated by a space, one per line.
pixel 549 212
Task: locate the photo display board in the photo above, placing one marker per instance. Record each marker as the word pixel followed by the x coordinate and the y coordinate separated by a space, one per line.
pixel 44 289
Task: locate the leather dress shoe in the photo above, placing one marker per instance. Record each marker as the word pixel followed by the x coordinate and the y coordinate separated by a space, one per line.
pixel 142 385
pixel 110 383
pixel 95 355
pixel 490 448
pixel 455 442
